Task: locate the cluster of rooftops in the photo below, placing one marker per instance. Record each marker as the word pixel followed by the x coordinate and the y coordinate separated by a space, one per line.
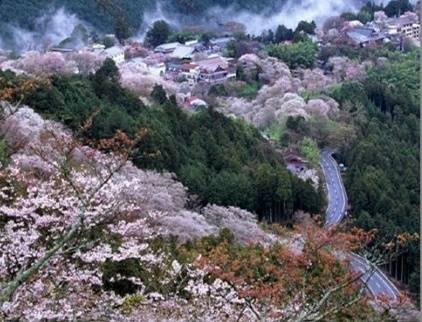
pixel 385 30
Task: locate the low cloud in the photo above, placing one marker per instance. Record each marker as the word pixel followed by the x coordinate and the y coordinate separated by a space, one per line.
pixel 292 12
pixel 59 26
pixel 50 29
pixel 158 13
pixel 289 15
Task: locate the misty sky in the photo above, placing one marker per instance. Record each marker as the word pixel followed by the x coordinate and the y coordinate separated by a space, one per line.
pixel 56 27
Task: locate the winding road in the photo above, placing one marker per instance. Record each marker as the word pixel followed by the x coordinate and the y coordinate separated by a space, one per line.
pixel 337 198
pixel 376 281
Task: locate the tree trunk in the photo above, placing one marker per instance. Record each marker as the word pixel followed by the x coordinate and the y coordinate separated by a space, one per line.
pixel 8 289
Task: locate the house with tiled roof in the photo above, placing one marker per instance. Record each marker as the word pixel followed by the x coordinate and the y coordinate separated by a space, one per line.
pixel 214 69
pixel 183 52
pixel 167 48
pixel 407 25
pixel 365 36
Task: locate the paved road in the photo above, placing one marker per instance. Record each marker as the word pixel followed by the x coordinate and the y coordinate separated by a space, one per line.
pixel 337 198
pixel 376 281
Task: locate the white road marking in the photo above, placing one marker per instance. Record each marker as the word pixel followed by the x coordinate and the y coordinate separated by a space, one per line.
pixel 377 283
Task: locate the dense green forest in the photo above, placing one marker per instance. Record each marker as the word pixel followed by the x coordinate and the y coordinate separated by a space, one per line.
pixel 199 6
pixel 101 14
pixel 113 16
pixel 383 175
pixel 223 161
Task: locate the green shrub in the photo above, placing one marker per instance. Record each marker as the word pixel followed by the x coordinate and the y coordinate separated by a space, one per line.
pixel 309 148
pixel 300 54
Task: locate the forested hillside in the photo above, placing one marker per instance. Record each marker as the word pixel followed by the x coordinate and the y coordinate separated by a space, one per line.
pixel 223 161
pixel 118 225
pixel 101 13
pixel 382 179
pixel 98 13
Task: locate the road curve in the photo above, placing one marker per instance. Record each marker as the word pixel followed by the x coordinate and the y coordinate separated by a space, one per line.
pixel 376 281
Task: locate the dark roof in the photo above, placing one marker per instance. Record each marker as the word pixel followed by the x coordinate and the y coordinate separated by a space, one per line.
pixel 402 20
pixel 292 156
pixel 62 50
pixel 362 35
pixel 368 32
pixel 221 41
pixel 189 66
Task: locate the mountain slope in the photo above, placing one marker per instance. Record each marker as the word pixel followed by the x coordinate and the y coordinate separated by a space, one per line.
pixel 223 161
pixel 89 235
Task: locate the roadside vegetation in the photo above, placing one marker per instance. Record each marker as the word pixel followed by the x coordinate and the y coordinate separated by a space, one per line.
pixel 376 132
pixel 382 178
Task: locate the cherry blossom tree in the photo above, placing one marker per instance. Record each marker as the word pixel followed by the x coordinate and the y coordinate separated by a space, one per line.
pixel 44 64
pixel 87 62
pixel 85 235
pixel 142 82
pixel 74 200
pixel 63 205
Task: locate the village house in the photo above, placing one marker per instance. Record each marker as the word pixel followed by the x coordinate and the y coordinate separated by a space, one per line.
pixel 96 46
pixel 349 25
pixel 215 69
pixel 294 162
pixel 167 48
pixel 174 65
pixel 365 36
pixel 180 51
pixel 198 46
pixel 379 31
pixel 211 70
pixel 219 44
pixel 192 43
pixel 190 72
pixel 406 25
pixel 62 50
pixel 115 53
pixel 183 52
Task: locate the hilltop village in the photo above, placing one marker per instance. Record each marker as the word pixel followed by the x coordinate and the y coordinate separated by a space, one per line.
pixel 198 60
pixel 235 71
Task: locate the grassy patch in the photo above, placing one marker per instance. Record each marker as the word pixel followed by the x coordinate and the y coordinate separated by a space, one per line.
pixel 309 148
pixel 275 131
pixel 249 90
